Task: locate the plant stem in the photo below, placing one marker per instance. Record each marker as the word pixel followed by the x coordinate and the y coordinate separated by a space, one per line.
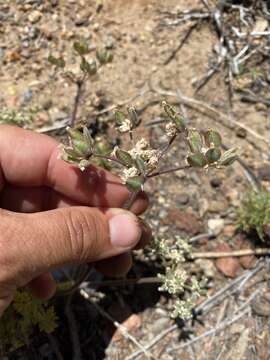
pixel 110 158
pixel 79 83
pixel 124 282
pixel 183 167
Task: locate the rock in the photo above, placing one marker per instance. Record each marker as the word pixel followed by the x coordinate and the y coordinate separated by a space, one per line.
pixel 261 305
pixel 47 104
pixel 207 267
pixel 248 261
pixel 229 266
pixel 109 42
pixel 237 328
pixel 215 226
pixel 233 197
pixel 34 16
pixel 82 20
pixel 159 325
pixel 229 230
pixel 241 133
pixel 239 349
pixel 264 173
pixel 184 220
pixel 13 56
pixel 2 53
pixel 215 182
pixel 217 206
pixel 183 199
pixel 27 96
pixel 132 323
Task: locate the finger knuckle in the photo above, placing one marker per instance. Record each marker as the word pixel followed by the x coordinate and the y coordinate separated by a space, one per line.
pixel 81 234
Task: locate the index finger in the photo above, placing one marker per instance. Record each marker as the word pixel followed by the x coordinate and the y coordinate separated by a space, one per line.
pixel 31 159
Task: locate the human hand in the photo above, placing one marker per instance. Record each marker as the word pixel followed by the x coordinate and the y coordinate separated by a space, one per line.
pixel 52 214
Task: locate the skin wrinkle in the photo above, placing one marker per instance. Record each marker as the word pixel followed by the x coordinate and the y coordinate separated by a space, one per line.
pixel 10 267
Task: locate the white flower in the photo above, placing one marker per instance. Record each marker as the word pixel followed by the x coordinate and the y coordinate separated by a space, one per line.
pixel 125 126
pixel 170 129
pixel 139 148
pixel 183 308
pixel 129 173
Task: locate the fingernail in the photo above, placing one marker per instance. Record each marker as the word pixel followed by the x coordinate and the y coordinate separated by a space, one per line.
pixel 125 230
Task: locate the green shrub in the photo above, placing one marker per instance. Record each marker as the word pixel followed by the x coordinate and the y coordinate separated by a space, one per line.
pixel 254 213
pixel 19 321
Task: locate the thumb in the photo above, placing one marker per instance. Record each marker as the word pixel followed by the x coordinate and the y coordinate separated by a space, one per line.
pixel 31 244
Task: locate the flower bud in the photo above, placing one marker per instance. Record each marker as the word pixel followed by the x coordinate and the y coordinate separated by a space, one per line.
pixel 196 160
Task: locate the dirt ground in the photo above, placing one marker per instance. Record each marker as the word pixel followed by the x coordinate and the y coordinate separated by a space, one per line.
pixel 185 203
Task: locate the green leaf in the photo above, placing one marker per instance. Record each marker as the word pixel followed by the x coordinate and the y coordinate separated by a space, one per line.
pixel 228 157
pixel 87 137
pixel 104 56
pixel 169 110
pixel 90 67
pixel 81 47
pixel 75 134
pixel 82 148
pixel 179 122
pixel 174 116
pixel 124 157
pixel 119 117
pixel 196 160
pixel 71 153
pixel 135 183
pixel 58 62
pixel 195 140
pixel 212 138
pixel 140 165
pixel 212 155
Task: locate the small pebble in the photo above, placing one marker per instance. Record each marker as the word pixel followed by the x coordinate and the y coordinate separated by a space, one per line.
pixel 183 199
pixel 215 182
pixel 241 133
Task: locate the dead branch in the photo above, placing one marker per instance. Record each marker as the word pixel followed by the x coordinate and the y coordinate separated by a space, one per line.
pixel 236 253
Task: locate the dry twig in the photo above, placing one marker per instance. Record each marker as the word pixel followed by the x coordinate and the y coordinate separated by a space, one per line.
pixel 236 253
pixel 121 328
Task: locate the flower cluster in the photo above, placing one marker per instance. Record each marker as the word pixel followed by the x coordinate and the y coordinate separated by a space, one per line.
pixel 175 280
pixel 143 160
